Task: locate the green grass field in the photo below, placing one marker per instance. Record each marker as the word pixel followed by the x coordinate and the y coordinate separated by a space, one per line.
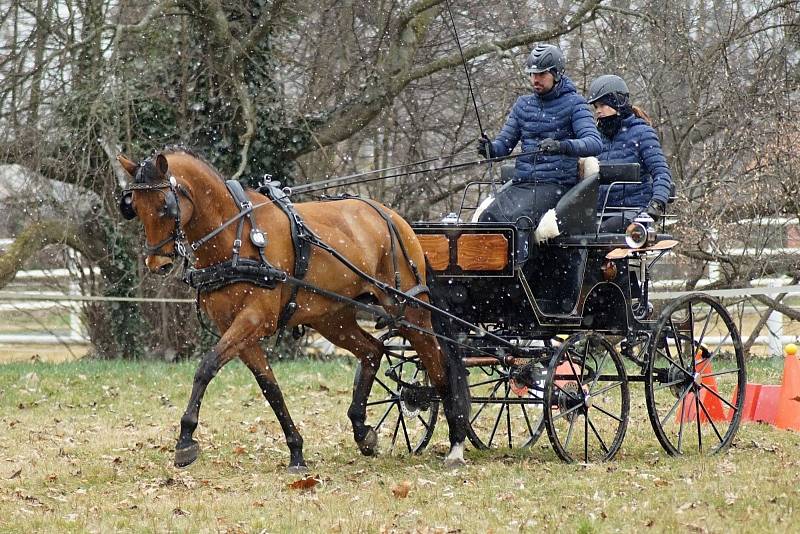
pixel 87 446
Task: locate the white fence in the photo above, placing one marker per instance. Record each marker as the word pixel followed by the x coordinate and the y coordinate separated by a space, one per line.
pixel 70 299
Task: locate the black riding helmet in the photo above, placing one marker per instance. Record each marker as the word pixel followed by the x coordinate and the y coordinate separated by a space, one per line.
pixel 545 57
pixel 606 85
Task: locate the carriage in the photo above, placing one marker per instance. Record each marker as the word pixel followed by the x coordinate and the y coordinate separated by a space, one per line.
pixel 544 337
pixel 554 343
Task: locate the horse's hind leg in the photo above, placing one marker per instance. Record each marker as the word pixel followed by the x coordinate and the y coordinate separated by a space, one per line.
pixel 449 377
pixel 256 361
pixel 342 330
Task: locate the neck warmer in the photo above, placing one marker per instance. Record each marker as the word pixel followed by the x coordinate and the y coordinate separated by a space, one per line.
pixel 609 126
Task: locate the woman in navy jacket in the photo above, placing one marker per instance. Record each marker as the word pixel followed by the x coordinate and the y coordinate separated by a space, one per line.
pixel 628 137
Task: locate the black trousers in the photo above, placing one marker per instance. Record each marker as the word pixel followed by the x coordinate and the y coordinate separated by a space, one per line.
pixel 553 273
pixel 523 199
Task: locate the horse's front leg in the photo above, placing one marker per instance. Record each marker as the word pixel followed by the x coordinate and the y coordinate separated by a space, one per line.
pixel 256 361
pixel 187 449
pixel 245 330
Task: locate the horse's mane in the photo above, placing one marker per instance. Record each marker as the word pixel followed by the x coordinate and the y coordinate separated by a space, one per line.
pixel 181 149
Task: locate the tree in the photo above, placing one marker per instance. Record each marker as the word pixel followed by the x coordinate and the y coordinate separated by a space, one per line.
pixel 242 82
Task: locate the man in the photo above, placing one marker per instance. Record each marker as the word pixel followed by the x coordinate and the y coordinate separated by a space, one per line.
pixel 556 127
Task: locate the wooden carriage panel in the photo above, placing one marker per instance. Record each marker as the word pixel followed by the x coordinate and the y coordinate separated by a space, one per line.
pixel 482 252
pixel 437 250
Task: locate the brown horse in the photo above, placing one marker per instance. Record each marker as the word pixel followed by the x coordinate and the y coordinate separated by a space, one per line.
pixel 181 198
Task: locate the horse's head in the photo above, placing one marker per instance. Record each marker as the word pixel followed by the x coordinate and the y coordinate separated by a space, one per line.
pixel 162 204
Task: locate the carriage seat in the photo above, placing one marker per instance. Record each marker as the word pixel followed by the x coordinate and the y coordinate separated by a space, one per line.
pixel 576 211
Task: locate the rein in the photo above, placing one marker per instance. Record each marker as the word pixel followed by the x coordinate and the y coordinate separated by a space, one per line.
pixel 262 274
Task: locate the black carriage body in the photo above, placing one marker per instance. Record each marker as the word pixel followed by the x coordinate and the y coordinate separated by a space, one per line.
pixel 488 288
pixel 545 340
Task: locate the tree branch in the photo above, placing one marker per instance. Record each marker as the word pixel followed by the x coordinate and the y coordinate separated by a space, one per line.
pixel 31 240
pixel 341 123
pixel 261 29
pixel 776 305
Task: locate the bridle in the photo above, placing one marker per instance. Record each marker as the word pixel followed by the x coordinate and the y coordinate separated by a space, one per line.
pixel 172 208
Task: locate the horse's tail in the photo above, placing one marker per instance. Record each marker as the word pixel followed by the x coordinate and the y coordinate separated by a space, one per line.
pixel 458 383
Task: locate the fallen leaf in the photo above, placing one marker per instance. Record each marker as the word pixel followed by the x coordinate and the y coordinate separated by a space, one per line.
pixel 306 483
pixel 401 490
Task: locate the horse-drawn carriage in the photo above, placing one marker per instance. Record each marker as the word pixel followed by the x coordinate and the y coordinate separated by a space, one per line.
pixel 549 348
pixel 552 342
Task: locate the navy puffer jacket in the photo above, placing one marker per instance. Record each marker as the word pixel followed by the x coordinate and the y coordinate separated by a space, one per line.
pixel 561 114
pixel 636 142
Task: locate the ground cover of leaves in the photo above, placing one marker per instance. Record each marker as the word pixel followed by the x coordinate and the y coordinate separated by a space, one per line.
pixel 87 446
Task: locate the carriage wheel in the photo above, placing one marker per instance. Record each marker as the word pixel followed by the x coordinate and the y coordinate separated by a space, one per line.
pixel 586 399
pixel 694 372
pixel 401 416
pixel 506 406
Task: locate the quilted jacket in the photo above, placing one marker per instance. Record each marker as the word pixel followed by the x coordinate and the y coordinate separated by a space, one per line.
pixel 636 142
pixel 561 114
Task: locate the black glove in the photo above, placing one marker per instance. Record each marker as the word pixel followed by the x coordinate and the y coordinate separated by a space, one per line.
pixel 655 209
pixel 484 147
pixel 550 146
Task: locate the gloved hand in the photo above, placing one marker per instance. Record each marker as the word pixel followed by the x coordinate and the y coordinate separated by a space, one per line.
pixel 655 209
pixel 485 147
pixel 550 146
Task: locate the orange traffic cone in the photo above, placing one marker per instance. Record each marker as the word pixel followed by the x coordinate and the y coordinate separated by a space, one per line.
pixel 767 404
pixel 760 403
pixel 788 414
pixel 751 394
pixel 709 401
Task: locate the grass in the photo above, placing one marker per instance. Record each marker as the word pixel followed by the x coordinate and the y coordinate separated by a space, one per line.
pixel 88 446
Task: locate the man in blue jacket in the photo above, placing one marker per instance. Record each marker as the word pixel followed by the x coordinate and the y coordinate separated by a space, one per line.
pixel 556 127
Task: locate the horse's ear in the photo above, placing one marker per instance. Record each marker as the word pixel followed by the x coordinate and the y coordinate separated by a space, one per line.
pixel 161 164
pixel 128 165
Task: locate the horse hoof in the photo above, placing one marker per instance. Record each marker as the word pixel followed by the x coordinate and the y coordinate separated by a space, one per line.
pixel 187 455
pixel 454 463
pixel 297 469
pixel 369 445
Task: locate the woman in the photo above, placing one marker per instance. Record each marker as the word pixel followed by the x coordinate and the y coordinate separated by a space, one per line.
pixel 628 137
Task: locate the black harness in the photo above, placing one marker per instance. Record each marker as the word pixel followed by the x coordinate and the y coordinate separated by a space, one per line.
pixel 260 272
pixel 257 272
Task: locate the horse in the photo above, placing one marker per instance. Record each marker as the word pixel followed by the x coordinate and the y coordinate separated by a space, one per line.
pixel 181 199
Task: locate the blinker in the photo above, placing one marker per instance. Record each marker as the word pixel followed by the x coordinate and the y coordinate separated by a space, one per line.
pixel 170 205
pixel 126 206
